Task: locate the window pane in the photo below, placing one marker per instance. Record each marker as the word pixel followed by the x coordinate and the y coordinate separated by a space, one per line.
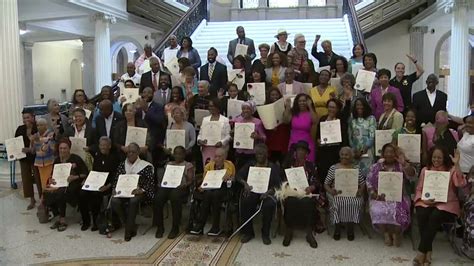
pixel 249 3
pixel 283 3
pixel 316 2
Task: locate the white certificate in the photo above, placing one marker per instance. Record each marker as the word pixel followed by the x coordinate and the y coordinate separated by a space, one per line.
pixel 272 114
pixel 257 92
pixel 391 185
pixel 137 135
pixel 236 76
pixel 173 66
pixel 242 139
pixel 436 185
pixel 88 113
pixel 213 179
pixel 411 146
pixel 382 137
pixel 365 80
pixel 234 108
pixel 258 179
pixel 125 185
pixel 169 54
pixel 130 94
pixel 336 83
pixel 77 146
pixel 144 67
pixel 61 172
pixel 175 138
pixel 95 180
pixel 331 132
pixel 328 68
pixel 356 67
pixel 346 181
pixel 307 87
pixel 14 148
pixel 199 115
pixel 297 178
pixel 211 131
pixel 173 176
pixel 241 49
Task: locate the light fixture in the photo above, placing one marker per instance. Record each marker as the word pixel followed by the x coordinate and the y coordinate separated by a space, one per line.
pixel 22 32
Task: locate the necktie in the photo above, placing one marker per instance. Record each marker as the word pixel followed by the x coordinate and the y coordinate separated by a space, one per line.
pixel 211 70
pixel 163 93
pixel 154 81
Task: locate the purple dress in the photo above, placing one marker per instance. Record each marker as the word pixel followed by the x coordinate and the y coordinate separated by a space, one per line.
pixel 301 130
pixel 387 212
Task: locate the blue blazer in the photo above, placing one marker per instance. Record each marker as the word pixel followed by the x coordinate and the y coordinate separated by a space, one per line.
pixel 193 56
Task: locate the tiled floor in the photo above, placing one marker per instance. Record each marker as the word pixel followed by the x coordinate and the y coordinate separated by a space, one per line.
pixel 24 241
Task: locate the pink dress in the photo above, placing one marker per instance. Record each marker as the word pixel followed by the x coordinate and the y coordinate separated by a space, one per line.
pixel 301 130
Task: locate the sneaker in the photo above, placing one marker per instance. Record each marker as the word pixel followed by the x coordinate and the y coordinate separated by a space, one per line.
pixel 196 231
pixel 214 232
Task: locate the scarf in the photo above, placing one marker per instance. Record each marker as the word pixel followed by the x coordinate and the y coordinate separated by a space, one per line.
pixel 136 167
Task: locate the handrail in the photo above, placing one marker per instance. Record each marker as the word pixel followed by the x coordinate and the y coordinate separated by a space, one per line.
pixel 195 9
pixel 348 8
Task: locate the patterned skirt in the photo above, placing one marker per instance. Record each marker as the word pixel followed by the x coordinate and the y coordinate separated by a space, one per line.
pixel 345 209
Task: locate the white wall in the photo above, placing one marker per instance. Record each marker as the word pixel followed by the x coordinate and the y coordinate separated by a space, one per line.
pixel 51 69
pixel 391 45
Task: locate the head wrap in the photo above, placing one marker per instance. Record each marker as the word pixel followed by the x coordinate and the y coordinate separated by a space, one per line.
pixel 250 104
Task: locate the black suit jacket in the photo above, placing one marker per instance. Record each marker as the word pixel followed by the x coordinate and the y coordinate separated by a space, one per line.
pixel 146 81
pixel 90 135
pixel 156 123
pixel 101 130
pixel 424 111
pixel 218 79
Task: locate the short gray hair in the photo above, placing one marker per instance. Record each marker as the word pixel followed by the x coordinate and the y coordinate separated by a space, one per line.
pixel 297 36
pixel 204 83
pixel 348 77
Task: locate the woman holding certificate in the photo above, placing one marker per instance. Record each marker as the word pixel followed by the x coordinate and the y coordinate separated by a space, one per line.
pixel 389 203
pixel 233 95
pixel 124 202
pixel 243 156
pixel 345 186
pixel 43 145
pixel 436 198
pixel 322 93
pixel 177 99
pixel 56 197
pixel 179 123
pixel 81 128
pixel 390 118
pixel 175 195
pixel 80 100
pixel 57 122
pixel 219 139
pixel 278 138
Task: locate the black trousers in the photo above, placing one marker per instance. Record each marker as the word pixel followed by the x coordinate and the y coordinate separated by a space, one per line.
pixel 89 202
pixel 249 205
pixel 212 199
pixel 241 159
pixel 127 209
pixel 300 212
pixel 27 179
pixel 57 200
pixel 176 197
pixel 429 221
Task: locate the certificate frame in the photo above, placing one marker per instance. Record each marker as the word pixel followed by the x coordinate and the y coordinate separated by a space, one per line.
pixel 131 95
pixel 271 115
pixel 199 115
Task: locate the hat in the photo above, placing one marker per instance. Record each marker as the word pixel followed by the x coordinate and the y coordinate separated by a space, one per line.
pixel 301 145
pixel 280 32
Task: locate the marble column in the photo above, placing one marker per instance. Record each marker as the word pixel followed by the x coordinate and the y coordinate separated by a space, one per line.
pixel 102 62
pixel 416 49
pixel 28 92
pixel 88 75
pixel 458 96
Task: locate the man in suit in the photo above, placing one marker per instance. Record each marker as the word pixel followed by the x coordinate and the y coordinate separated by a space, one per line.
pixel 327 57
pixel 429 101
pixel 245 41
pixel 152 77
pixel 163 94
pixel 107 119
pixel 214 72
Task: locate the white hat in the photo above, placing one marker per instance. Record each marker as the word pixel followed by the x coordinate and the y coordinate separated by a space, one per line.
pixel 281 31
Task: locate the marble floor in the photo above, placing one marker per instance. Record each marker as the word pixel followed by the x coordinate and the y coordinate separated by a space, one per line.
pixel 24 241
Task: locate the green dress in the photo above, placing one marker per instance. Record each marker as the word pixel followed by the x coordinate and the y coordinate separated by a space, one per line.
pixel 362 136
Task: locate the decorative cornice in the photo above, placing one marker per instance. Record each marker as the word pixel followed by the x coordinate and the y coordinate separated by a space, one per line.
pixel 421 29
pixel 104 17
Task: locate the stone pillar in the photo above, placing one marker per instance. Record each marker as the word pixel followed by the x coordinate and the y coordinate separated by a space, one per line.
pixel 28 93
pixel 416 49
pixel 458 96
pixel 88 76
pixel 102 62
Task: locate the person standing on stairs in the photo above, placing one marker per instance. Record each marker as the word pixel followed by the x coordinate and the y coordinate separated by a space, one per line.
pixel 241 39
pixel 327 57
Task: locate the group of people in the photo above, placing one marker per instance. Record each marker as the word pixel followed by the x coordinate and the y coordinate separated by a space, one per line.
pixel 176 102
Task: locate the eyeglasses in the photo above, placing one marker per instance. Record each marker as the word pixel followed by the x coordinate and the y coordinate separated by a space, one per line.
pixel 301 42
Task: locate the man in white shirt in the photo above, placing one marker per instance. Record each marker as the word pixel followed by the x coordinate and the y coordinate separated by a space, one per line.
pixel 429 101
pixel 141 64
pixel 170 52
pixel 107 119
pixel 131 74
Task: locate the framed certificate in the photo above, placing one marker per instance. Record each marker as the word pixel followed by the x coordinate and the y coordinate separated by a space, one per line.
pixel 130 94
pixel 382 137
pixel 391 185
pixel 436 185
pixel 236 76
pixel 242 135
pixel 61 172
pixel 77 146
pixel 297 178
pixel 272 114
pixel 125 185
pixel 137 135
pixel 211 131
pixel 347 181
pixel 257 92
pixel 14 148
pixel 365 80
pixel 331 132
pixel 213 179
pixel 199 115
pixel 234 108
pixel 175 138
pixel 411 146
pixel 258 179
pixel 173 176
pixel 241 49
pixel 95 180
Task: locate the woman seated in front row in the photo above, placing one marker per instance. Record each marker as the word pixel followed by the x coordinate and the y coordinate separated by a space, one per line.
pixel 344 209
pixel 432 212
pixel 389 217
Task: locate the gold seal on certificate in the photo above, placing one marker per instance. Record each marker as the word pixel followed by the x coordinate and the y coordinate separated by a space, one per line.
pixel 126 184
pixel 257 92
pixel 258 179
pixel 297 178
pixel 331 132
pixel 14 148
pixel 236 76
pixel 61 172
pixel 234 108
pixel 365 80
pixel 411 146
pixel 347 182
pixel 271 114
pixel 391 185
pixel 131 95
pixel 173 176
pixel 436 185
pixel 242 135
pixel 213 179
pixel 95 180
pixel 382 137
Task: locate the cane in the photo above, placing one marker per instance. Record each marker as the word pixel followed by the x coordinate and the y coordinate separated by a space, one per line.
pixel 246 222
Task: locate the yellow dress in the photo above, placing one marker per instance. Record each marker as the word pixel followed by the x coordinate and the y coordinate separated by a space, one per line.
pixel 275 78
pixel 320 101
